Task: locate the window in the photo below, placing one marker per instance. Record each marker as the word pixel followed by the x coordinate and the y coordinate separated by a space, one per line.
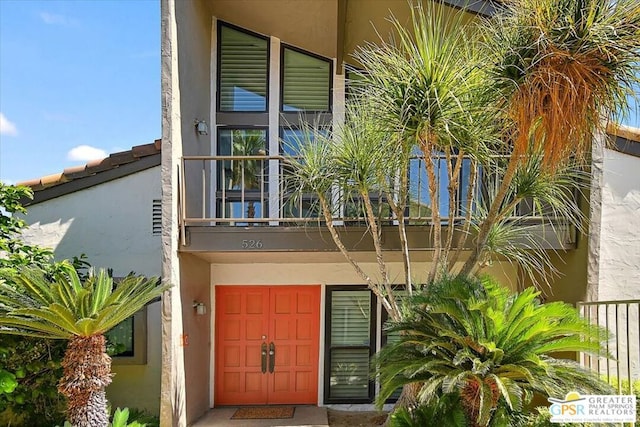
pixel 306 82
pixel 420 200
pixel 243 181
pixel 243 70
pixel 355 82
pixel 350 341
pixel 127 342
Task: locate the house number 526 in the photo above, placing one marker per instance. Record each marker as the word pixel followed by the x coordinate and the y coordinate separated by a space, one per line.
pixel 251 244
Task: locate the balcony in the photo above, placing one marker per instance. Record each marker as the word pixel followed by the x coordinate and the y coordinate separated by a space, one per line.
pixel 230 203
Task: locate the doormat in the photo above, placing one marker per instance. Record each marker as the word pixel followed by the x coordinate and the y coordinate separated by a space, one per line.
pixel 263 413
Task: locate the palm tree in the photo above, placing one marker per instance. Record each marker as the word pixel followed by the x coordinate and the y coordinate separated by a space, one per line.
pixel 248 173
pixel 559 70
pixel 488 347
pixel 81 313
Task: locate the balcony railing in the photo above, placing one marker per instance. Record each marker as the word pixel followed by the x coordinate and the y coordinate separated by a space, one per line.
pixel 622 320
pixel 255 190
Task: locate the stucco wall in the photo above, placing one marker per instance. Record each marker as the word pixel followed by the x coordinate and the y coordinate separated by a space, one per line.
pixel 194 67
pixel 194 284
pixel 111 224
pixel 308 24
pixel 620 228
pixel 615 259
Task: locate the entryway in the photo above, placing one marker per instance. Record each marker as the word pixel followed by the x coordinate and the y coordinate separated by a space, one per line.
pixel 266 345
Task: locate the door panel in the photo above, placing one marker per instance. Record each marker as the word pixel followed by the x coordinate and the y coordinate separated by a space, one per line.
pixel 289 319
pixel 241 321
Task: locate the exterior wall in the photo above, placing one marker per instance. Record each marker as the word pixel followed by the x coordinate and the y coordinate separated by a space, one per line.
pixel 194 286
pixel 620 230
pixel 615 260
pixel 308 24
pixel 325 269
pixel 194 33
pixel 111 224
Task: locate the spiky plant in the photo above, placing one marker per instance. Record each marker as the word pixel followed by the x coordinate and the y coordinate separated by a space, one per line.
pixel 489 346
pixel 568 64
pixel 424 85
pixel 558 71
pixel 81 313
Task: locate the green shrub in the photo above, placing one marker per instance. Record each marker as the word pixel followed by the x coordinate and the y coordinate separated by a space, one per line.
pixel 493 348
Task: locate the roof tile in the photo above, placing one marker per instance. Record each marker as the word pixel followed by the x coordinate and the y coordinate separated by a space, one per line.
pixel 94 166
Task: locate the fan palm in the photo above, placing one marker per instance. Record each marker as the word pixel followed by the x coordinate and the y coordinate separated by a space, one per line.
pixel 488 346
pixel 65 308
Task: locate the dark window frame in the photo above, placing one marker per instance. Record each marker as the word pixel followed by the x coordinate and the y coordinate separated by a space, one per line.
pixel 139 338
pixel 249 195
pixel 285 46
pixel 220 25
pixel 373 325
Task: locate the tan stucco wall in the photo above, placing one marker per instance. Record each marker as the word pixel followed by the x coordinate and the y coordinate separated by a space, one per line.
pixel 308 24
pixel 327 273
pixel 194 284
pixel 196 96
pixel 367 20
pixel 571 284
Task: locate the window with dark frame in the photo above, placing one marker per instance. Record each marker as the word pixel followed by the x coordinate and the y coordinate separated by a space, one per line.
pixel 350 343
pixel 306 81
pixel 244 181
pixel 243 70
pixel 127 342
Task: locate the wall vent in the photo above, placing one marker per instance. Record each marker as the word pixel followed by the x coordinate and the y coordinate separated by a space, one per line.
pixel 156 217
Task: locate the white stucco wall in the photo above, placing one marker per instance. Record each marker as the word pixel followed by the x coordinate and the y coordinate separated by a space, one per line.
pixel 620 228
pixel 112 224
pixel 618 263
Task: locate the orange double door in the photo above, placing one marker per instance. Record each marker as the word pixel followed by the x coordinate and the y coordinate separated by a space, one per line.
pixel 266 345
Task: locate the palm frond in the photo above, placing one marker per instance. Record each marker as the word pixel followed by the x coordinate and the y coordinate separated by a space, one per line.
pixel 58 309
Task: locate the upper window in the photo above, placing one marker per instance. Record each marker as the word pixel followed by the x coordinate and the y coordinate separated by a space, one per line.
pixel 243 72
pixel 306 82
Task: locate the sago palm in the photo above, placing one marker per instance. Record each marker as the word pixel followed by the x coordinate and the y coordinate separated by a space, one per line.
pixel 66 308
pixel 490 347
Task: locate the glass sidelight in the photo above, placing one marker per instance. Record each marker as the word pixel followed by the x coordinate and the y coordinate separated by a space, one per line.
pixel 350 344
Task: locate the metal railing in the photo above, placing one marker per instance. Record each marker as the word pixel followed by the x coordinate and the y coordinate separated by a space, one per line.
pixel 255 190
pixel 622 320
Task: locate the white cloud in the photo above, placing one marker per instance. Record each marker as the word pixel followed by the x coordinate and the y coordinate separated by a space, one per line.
pixel 56 19
pixel 7 127
pixel 85 153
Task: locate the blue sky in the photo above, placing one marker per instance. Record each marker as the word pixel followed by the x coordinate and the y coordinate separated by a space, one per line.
pixel 78 80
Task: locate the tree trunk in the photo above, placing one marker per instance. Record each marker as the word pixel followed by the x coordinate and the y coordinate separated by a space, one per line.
pixel 87 372
pixel 409 396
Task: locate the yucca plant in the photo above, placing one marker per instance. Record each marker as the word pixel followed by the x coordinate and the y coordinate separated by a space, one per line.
pixel 558 71
pixel 81 313
pixel 491 347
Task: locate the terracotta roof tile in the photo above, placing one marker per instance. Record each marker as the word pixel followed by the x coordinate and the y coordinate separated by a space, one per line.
pixel 74 170
pixel 94 166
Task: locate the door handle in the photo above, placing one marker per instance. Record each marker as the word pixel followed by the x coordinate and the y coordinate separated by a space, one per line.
pixel 263 358
pixel 272 356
